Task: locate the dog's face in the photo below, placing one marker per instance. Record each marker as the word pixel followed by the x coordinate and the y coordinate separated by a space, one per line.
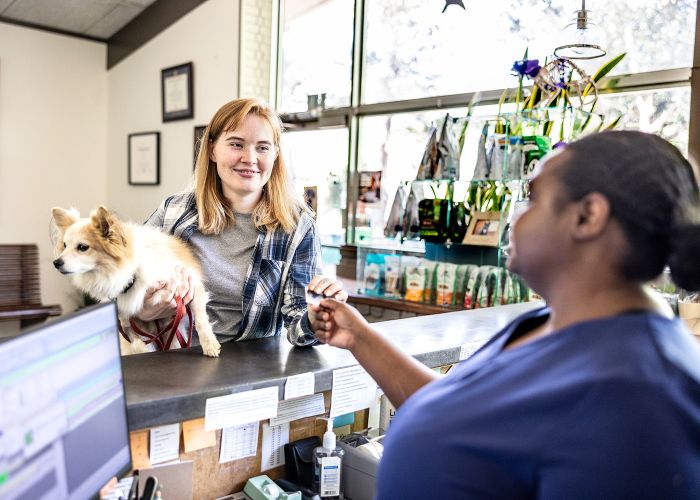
pixel 89 244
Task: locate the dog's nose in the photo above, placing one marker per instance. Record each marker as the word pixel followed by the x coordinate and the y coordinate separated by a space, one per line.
pixel 58 263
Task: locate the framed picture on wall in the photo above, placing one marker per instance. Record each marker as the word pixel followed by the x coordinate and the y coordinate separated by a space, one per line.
pixel 144 158
pixel 176 92
pixel 198 133
pixel 484 229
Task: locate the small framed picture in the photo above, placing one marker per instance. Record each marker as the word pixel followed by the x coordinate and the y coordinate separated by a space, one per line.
pixel 198 133
pixel 144 158
pixel 484 229
pixel 176 92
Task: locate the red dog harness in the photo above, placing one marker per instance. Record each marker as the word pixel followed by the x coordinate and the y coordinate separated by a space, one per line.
pixel 172 327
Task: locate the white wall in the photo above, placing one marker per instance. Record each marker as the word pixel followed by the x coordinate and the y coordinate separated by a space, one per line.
pixel 53 139
pixel 208 37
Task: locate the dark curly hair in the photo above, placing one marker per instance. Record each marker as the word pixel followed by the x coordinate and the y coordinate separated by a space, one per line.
pixel 653 194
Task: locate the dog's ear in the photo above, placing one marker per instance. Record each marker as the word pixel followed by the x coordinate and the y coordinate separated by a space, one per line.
pixel 108 225
pixel 64 218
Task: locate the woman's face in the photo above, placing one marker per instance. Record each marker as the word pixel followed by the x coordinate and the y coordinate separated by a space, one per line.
pixel 244 158
pixel 539 243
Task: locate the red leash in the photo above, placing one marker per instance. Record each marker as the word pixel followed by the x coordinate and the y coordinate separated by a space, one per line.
pixel 171 327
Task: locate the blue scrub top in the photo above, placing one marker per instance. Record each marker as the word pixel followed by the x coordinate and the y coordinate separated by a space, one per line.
pixel 604 409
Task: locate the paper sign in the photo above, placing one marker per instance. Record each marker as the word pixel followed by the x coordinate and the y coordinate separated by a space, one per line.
pixel 239 442
pixel 299 385
pixel 165 443
pixel 240 408
pixel 294 409
pixel 353 389
pixel 195 437
pixel 273 441
pixel 466 350
pixel 139 450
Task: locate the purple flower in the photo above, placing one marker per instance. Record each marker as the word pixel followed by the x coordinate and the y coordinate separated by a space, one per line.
pixel 559 144
pixel 527 67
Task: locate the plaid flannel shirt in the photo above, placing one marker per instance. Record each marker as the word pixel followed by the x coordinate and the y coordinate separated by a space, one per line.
pixel 282 265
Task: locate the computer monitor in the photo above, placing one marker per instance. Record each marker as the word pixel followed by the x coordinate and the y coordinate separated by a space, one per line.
pixel 63 428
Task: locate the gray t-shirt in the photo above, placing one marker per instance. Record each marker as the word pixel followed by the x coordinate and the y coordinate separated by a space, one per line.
pixel 225 259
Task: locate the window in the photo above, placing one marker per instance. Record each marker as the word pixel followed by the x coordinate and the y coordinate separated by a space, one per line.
pixel 662 112
pixel 318 159
pixel 414 50
pixel 316 53
pixel 420 63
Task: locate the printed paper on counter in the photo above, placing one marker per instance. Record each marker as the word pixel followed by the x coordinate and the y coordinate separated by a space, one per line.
pixel 468 349
pixel 239 442
pixel 240 408
pixel 273 441
pixel 294 409
pixel 299 385
pixel 353 390
pixel 165 443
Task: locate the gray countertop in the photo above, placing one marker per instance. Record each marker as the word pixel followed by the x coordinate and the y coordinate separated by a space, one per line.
pixel 169 387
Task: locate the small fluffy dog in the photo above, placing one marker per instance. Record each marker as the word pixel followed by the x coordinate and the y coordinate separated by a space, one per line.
pixel 110 259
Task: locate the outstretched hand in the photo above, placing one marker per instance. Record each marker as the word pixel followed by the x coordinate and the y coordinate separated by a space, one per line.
pixel 159 301
pixel 338 324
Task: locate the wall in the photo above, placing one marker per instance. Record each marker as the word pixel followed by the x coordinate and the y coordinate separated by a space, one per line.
pixel 256 48
pixel 208 37
pixel 53 141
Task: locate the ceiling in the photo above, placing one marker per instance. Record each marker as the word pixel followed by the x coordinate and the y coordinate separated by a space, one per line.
pixel 98 19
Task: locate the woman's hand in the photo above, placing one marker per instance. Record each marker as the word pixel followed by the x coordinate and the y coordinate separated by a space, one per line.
pixel 159 301
pixel 337 323
pixel 327 287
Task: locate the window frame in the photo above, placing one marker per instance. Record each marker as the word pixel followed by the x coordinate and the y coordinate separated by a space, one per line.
pixel 350 116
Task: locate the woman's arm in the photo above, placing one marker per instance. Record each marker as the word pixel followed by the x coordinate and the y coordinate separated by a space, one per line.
pixel 398 374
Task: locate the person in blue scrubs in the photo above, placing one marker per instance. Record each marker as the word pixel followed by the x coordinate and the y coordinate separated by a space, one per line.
pixel 596 395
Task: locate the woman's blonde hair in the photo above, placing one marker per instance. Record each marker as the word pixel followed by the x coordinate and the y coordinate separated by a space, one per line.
pixel 278 207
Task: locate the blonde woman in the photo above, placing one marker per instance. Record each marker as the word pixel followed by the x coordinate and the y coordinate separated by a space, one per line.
pixel 257 242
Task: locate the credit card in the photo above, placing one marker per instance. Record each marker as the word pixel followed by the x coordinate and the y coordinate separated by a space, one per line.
pixel 313 297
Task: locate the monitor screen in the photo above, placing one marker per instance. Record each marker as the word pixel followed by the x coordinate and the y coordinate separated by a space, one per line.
pixel 63 428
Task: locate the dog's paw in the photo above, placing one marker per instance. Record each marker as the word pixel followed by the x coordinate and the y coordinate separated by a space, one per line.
pixel 138 346
pixel 211 348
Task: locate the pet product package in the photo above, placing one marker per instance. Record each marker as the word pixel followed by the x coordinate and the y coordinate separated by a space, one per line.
pixel 415 278
pixel 534 148
pixel 471 288
pixel 411 221
pixel 374 272
pixel 394 222
pixel 431 281
pixel 446 284
pixel 430 156
pixel 392 276
pixel 481 169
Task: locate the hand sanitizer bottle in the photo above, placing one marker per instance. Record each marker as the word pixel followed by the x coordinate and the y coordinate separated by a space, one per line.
pixel 328 466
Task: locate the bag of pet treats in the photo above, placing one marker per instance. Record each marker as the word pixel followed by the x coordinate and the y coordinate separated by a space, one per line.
pixel 394 222
pixel 430 156
pixel 415 278
pixel 411 221
pixel 482 169
pixel 446 284
pixel 534 148
pixel 506 157
pixel 505 295
pixel 431 281
pixel 449 150
pixel 487 287
pixel 471 288
pixel 392 276
pixel 462 275
pixel 374 272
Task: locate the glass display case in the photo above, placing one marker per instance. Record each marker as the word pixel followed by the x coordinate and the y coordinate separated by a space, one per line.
pixel 445 239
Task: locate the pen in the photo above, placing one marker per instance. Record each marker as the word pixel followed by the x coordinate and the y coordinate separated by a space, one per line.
pixel 133 492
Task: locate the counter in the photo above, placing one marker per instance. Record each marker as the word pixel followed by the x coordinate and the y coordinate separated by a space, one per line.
pixel 169 387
